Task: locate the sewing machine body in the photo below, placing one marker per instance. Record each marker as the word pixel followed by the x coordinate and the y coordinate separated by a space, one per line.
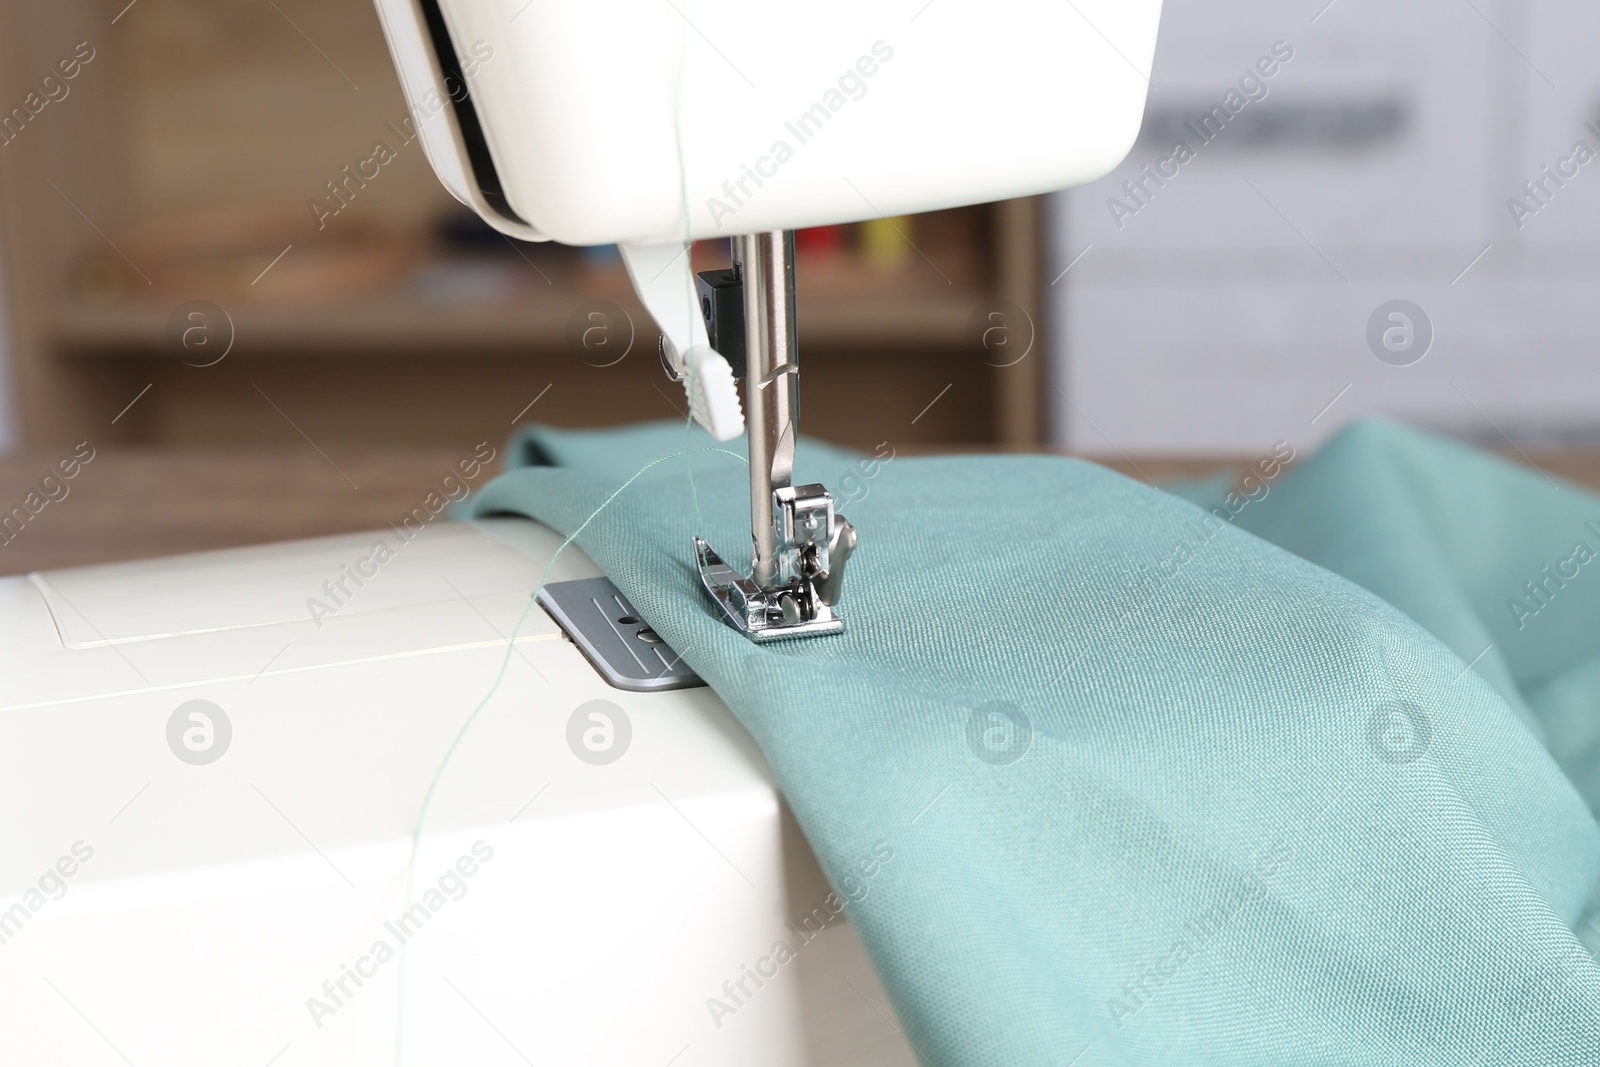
pixel 600 122
pixel 581 906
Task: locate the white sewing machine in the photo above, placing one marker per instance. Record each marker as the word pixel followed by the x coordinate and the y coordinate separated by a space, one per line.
pixel 212 797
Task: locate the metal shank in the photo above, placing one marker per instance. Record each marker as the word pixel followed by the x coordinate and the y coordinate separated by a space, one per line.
pixel 772 401
pixel 799 544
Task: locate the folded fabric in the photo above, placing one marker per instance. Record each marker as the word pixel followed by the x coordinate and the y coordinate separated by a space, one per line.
pixel 1161 792
pixel 1490 556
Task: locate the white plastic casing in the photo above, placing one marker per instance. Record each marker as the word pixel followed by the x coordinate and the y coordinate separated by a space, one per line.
pixel 209 903
pixel 608 120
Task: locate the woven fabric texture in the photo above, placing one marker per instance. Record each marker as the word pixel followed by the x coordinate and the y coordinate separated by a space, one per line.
pixel 1166 783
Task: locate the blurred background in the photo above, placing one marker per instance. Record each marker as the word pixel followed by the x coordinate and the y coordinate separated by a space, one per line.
pixel 205 140
pixel 1334 209
pixel 1390 159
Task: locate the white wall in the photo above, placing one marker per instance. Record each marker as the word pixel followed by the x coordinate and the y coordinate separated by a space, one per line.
pixel 1232 306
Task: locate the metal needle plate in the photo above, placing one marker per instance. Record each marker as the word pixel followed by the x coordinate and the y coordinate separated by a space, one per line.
pixel 622 646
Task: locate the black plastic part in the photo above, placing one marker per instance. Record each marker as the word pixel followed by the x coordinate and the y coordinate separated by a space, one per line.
pixel 460 97
pixel 721 294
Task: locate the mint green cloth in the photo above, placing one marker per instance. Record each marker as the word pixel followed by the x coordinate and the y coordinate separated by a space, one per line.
pixel 1159 791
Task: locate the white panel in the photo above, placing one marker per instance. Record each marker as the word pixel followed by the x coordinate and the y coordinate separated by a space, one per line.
pixel 1231 308
pixel 211 901
pixel 608 119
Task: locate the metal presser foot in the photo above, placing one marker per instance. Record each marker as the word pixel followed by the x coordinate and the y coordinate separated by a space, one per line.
pixel 800 542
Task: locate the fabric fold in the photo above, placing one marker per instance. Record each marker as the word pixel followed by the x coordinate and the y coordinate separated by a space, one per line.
pixel 1160 791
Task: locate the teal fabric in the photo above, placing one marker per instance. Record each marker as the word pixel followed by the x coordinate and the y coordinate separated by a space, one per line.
pixel 1169 784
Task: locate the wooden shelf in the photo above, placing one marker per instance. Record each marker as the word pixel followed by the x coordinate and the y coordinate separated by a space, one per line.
pixel 187 135
pixel 393 325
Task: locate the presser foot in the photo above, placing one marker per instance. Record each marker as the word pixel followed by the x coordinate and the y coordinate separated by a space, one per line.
pixel 795 609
